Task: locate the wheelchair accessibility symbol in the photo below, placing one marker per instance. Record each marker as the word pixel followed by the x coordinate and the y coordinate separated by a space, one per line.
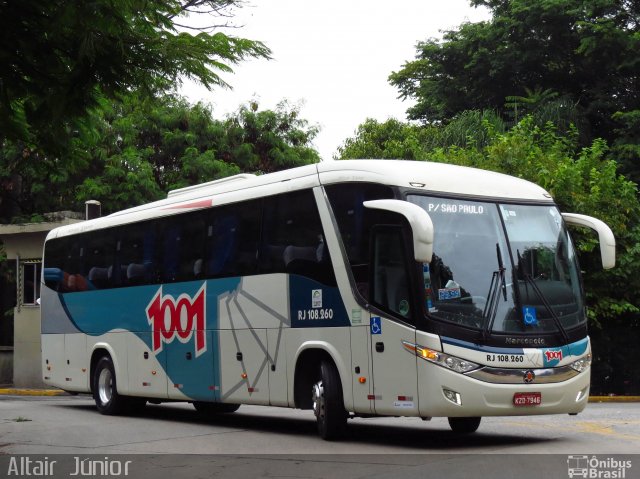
pixel 530 316
pixel 376 325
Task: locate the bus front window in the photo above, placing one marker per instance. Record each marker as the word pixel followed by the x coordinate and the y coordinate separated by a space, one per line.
pixel 468 240
pixel 500 268
pixel 546 268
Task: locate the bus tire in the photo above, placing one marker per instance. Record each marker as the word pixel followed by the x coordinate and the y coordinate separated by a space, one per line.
pixel 105 389
pixel 464 425
pixel 327 402
pixel 204 407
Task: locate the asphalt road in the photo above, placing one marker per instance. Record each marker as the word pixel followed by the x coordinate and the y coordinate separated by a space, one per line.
pixel 277 442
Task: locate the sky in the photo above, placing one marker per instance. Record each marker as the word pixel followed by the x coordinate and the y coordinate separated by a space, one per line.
pixel 333 58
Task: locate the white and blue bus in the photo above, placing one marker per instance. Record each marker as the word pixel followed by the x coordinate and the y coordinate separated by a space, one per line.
pixel 350 288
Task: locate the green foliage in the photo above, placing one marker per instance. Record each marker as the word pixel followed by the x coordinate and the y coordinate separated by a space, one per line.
pixel 397 140
pixel 471 128
pixel 578 59
pixel 269 140
pixel 31 181
pixel 389 140
pixel 59 60
pixel 144 146
pixel 626 146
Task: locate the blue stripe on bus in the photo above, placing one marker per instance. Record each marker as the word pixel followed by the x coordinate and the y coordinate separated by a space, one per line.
pixel 479 347
pixel 550 356
pixel 98 312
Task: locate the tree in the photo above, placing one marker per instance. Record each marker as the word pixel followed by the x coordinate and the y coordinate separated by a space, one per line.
pixel 626 145
pixel 394 139
pixel 59 59
pixel 269 140
pixel 150 145
pixel 583 52
pixel 145 145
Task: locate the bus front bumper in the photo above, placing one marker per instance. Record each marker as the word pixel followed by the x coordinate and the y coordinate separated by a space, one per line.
pixel 444 393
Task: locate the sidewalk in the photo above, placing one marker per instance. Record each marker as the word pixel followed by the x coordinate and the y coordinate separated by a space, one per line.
pixel 614 398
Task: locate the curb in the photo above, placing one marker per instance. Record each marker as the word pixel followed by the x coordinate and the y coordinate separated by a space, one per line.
pixel 31 392
pixel 596 399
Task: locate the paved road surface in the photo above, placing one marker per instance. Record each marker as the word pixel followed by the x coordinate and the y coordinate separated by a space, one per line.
pixel 285 441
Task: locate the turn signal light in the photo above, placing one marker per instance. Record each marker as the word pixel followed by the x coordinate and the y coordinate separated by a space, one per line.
pixel 458 365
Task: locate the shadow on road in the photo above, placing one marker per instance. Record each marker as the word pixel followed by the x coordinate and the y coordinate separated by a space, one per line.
pixel 363 431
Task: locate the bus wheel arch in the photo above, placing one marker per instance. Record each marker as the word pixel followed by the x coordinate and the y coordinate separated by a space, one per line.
pixel 318 386
pixel 307 372
pixel 104 386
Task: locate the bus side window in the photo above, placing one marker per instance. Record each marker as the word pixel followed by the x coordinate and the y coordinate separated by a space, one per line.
pixel 135 256
pixel 232 236
pixel 222 238
pixel 54 264
pixel 389 285
pixel 355 223
pixel 192 246
pixel 293 240
pixel 171 245
pixel 99 258
pixel 73 271
pixel 182 248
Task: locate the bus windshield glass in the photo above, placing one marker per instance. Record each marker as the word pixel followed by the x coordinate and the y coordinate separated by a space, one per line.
pixel 501 268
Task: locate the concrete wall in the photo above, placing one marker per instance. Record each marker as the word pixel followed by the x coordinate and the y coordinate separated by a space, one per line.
pixel 27 365
pixel 26 242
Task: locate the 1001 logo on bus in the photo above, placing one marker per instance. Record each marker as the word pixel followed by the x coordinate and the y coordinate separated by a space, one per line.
pixel 180 317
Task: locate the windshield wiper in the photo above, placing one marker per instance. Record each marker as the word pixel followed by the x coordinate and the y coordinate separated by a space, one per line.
pixel 545 303
pixel 501 269
pixel 491 307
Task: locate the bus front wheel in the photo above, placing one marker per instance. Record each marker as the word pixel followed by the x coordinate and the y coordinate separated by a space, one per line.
pixel 464 425
pixel 328 407
pixel 105 390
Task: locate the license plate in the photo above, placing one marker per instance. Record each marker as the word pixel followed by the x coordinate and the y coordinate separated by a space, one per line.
pixel 527 399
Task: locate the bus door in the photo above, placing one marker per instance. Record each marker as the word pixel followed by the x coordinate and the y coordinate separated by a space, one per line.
pixel 392 334
pixel 394 368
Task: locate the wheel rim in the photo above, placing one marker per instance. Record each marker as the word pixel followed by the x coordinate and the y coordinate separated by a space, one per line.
pixel 318 399
pixel 105 386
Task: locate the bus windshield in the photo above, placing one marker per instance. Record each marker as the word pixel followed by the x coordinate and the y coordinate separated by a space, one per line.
pixel 501 268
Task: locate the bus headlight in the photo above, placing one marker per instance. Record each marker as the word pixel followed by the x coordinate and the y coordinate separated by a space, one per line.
pixel 459 365
pixel 581 364
pixel 441 359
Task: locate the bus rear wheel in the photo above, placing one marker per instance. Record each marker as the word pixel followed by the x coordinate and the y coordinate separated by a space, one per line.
pixel 328 407
pixel 464 425
pixel 105 389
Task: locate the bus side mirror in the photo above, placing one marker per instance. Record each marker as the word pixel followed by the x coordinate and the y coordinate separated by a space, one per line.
pixel 605 236
pixel 419 220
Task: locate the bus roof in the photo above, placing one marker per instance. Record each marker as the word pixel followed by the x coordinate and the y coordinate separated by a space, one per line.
pixel 429 177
